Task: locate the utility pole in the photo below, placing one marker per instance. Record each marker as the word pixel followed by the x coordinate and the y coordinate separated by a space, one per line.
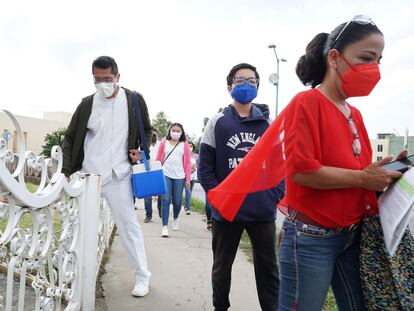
pixel 274 77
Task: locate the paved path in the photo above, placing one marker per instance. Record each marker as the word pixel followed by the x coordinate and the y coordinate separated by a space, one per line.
pixel 181 268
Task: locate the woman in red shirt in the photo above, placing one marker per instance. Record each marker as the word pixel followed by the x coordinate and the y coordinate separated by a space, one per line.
pixel 331 182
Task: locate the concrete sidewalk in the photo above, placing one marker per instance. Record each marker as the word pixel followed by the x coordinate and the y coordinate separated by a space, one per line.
pixel 181 270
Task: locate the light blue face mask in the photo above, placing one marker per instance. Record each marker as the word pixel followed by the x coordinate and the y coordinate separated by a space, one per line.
pixel 244 94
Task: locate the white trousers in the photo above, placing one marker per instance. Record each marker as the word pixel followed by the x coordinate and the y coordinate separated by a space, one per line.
pixel 118 194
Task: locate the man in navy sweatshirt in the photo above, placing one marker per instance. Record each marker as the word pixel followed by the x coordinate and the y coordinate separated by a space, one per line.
pixel 227 138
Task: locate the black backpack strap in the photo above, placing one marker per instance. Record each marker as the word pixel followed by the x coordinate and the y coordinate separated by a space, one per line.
pixel 142 143
pixel 165 159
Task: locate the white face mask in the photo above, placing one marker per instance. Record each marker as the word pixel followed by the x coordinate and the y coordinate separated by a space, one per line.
pixel 175 135
pixel 105 89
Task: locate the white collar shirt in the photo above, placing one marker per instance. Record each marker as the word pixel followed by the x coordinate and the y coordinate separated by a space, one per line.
pixel 106 141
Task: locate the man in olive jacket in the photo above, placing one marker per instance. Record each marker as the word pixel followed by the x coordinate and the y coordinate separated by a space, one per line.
pixel 102 138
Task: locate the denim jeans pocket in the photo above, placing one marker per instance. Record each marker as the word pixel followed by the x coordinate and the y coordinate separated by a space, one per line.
pixel 312 231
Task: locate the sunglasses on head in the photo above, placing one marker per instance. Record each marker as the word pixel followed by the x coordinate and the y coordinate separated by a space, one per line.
pixel 359 19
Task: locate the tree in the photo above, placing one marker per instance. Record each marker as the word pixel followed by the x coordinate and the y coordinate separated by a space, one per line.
pixel 193 139
pixel 161 122
pixel 53 139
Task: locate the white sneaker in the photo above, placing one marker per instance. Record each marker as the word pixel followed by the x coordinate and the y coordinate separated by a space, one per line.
pixel 175 224
pixel 140 290
pixel 164 232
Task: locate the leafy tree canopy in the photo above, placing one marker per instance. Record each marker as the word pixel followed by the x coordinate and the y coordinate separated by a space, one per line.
pixel 53 139
pixel 161 123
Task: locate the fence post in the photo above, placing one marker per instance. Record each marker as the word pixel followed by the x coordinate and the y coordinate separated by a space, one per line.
pixel 89 218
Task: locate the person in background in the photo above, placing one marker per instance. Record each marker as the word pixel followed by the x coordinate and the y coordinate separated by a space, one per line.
pixel 207 210
pixel 227 138
pixel 331 182
pixel 188 192
pixel 174 154
pixel 148 200
pixel 101 133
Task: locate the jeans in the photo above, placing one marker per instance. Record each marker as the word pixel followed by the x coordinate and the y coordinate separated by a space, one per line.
pixel 148 205
pixel 312 258
pixel 207 209
pixel 226 239
pixel 188 192
pixel 174 194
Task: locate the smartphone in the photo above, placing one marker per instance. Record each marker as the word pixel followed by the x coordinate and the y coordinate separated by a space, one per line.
pixel 400 165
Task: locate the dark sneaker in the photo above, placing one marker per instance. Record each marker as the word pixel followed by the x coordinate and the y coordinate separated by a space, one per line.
pixel 147 219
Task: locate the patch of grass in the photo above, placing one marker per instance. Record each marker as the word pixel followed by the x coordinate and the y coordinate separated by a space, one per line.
pixel 26 219
pixel 26 222
pixel 197 206
pixel 32 187
pixel 246 246
pixel 330 303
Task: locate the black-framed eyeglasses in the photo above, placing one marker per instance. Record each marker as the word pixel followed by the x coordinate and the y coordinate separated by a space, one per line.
pixel 359 19
pixel 356 144
pixel 242 81
pixel 97 80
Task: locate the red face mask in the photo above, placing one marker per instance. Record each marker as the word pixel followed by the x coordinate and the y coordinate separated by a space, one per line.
pixel 361 79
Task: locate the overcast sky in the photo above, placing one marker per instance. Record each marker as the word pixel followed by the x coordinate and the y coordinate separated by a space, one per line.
pixel 178 53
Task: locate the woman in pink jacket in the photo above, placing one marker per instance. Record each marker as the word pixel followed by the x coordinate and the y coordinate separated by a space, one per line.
pixel 174 154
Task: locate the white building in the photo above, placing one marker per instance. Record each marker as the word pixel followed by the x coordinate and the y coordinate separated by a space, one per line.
pixel 34 129
pixel 388 144
pixel 381 146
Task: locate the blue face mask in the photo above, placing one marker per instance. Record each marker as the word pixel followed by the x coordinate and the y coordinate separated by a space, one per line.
pixel 244 94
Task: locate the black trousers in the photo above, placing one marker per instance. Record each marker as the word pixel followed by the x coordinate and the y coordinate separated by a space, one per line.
pixel 226 239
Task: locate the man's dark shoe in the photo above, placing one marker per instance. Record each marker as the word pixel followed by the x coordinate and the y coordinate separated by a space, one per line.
pixel 147 219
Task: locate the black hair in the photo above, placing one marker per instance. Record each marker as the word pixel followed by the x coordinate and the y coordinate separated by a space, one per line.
pixel 192 144
pixel 154 130
pixel 182 137
pixel 236 68
pixel 104 62
pixel 311 67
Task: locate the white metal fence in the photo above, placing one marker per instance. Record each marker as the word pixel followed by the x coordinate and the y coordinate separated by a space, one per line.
pixel 52 240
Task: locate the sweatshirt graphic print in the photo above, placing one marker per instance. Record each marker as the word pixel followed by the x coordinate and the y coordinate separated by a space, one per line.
pixel 226 140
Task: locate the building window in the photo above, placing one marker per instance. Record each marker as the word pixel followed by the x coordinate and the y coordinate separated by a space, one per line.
pixel 379 158
pixel 379 148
